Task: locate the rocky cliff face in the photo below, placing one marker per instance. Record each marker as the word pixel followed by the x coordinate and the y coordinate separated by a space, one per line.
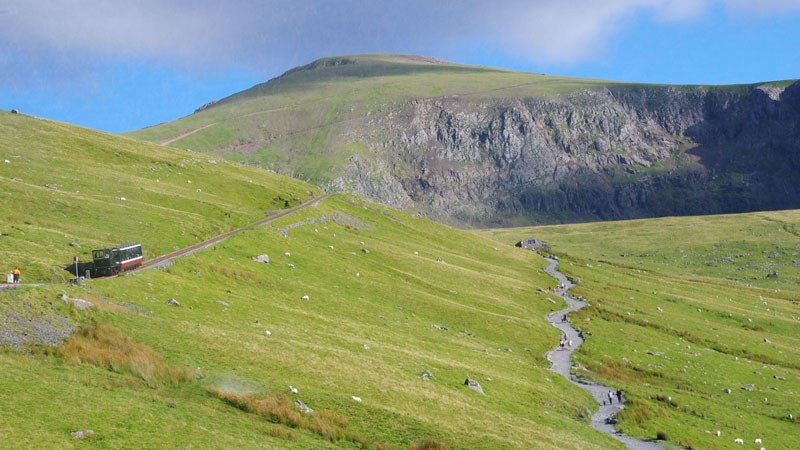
pixel 624 151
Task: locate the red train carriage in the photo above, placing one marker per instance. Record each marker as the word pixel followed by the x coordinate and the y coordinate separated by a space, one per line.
pixel 111 261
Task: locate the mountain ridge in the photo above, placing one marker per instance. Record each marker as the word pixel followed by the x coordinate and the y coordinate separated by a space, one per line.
pixel 477 146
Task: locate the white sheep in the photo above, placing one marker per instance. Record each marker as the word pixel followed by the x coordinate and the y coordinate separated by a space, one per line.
pixel 305 297
pixel 358 399
pixel 758 440
pixel 739 441
pixel 292 389
pixel 267 333
pixel 719 433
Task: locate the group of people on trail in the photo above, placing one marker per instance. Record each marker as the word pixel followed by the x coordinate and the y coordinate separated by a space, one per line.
pixel 612 394
pixel 565 341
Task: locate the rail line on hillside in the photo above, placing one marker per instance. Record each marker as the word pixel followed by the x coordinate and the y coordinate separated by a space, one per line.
pixel 161 260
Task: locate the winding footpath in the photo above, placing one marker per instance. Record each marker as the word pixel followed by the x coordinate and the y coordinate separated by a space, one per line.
pixel 561 360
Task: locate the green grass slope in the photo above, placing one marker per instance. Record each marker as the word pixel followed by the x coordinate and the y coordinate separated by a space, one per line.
pixel 61 184
pixel 390 296
pixel 683 310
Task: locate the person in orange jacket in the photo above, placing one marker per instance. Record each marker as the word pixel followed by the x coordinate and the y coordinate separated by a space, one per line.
pixel 16 272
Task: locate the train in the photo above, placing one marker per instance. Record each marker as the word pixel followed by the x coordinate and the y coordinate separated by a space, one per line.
pixel 107 262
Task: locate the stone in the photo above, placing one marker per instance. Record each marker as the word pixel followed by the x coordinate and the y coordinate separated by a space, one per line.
pixel 261 259
pixel 82 434
pixel 82 304
pixel 302 407
pixel 74 244
pixel 474 385
pixel 426 375
pixel 173 302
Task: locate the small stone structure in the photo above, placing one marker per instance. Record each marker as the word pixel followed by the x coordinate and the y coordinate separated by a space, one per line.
pixel 533 244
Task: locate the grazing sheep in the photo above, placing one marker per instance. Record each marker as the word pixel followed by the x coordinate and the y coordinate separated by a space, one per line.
pixel 358 399
pixel 758 440
pixel 719 433
pixel 739 441
pixel 292 389
pixel 659 309
pixel 267 333
pixel 305 297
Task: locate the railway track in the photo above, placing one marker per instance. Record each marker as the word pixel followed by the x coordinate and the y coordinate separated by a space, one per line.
pixel 164 259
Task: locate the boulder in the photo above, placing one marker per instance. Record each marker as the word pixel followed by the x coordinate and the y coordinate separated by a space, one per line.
pixel 474 385
pixel 302 407
pixel 173 302
pixel 261 259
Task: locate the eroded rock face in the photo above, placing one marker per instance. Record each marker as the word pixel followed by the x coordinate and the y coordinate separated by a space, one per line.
pixel 624 151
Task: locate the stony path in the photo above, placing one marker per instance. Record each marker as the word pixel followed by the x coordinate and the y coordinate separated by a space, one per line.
pixel 561 360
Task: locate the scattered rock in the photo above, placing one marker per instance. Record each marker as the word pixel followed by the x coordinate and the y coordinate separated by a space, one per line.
pixel 749 387
pixel 173 302
pixel 223 303
pixel 439 327
pixel 291 266
pixel 74 244
pixel 82 434
pixel 426 375
pixel 302 407
pixel 261 259
pixel 366 346
pixel 82 304
pixel 474 385
pixel 171 405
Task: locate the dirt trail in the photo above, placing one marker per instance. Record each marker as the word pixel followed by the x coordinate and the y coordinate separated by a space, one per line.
pixel 561 359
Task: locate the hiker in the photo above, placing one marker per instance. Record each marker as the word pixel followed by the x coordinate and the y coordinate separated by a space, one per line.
pixel 16 272
pixel 610 398
pixel 619 396
pixel 564 318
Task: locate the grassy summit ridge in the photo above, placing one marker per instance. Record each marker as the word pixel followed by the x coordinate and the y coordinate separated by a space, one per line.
pixel 389 297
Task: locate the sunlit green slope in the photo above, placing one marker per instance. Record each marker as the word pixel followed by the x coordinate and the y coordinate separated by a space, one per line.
pixel 389 297
pixel 696 318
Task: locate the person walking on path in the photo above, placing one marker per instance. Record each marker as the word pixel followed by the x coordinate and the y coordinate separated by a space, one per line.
pixel 619 396
pixel 16 272
pixel 610 398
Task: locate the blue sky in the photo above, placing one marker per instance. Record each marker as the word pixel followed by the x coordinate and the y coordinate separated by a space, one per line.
pixel 119 65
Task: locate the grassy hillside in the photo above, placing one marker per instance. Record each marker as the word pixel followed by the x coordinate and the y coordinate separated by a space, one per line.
pixel 683 310
pixel 62 185
pixel 390 297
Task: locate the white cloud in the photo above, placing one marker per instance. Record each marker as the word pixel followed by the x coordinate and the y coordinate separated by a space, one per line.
pixel 271 35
